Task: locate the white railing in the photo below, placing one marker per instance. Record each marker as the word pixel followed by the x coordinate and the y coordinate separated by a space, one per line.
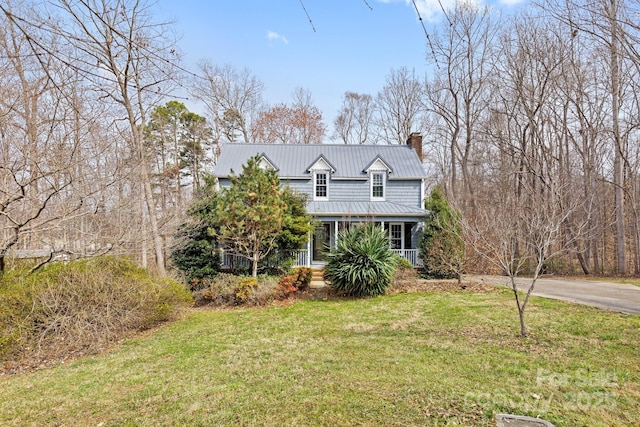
pixel 410 255
pixel 301 258
pixel 230 261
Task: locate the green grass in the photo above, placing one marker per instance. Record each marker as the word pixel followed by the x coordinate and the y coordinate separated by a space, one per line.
pixel 406 359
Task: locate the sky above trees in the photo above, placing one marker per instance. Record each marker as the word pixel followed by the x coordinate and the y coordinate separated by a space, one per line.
pixel 348 45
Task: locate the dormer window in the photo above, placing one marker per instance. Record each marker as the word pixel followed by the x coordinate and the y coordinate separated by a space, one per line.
pixel 321 169
pixel 321 185
pixel 378 184
pixel 378 170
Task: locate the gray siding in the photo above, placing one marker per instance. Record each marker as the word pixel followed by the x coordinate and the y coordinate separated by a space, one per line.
pixel 405 193
pixel 402 192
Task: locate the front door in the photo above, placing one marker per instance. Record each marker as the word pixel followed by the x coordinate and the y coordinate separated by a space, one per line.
pixel 321 241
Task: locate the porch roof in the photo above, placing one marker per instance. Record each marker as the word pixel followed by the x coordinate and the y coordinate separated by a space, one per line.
pixel 362 209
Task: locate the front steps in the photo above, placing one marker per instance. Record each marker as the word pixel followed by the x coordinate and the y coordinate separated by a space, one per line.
pixel 317 278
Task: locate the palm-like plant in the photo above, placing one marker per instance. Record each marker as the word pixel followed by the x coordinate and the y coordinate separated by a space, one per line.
pixel 363 263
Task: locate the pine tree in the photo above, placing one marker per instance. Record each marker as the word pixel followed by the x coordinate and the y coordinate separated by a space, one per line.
pixel 250 214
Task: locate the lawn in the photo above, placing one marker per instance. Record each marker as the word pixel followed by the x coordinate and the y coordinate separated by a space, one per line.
pixel 441 358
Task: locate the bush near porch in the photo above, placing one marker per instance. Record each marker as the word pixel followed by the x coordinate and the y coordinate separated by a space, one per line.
pixel 362 263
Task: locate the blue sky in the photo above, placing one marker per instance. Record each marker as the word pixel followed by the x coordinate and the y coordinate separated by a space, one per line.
pixel 355 44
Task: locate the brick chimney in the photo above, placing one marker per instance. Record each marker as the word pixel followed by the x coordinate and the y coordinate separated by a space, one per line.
pixel 415 142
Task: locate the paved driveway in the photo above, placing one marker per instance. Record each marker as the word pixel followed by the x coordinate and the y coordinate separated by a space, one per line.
pixel 607 295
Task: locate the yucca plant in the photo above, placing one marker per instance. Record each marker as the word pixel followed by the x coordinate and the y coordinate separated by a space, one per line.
pixel 363 263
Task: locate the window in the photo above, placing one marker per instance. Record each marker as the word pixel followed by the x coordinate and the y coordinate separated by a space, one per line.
pixel 395 235
pixel 320 184
pixel 377 185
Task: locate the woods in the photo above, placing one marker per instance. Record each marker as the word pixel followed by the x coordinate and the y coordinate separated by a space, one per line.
pixel 537 111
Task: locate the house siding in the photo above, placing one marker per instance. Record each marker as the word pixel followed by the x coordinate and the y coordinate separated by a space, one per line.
pixel 403 192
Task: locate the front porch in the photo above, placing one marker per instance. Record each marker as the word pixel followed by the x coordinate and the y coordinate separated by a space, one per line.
pixel 403 239
pixel 230 261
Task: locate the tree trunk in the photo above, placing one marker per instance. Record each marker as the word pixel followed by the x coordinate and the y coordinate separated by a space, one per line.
pixel 618 167
pixel 523 326
pixel 254 267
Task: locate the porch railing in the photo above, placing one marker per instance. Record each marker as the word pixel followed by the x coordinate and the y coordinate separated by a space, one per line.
pixel 410 255
pixel 301 258
pixel 230 261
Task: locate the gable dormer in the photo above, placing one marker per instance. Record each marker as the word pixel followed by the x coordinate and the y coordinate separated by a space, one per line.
pixel 379 165
pixel 321 163
pixel 266 163
pixel 321 170
pixel 378 171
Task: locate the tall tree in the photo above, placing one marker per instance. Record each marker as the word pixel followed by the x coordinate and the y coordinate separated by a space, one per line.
pixel 399 107
pixel 457 93
pixel 300 123
pixel 131 60
pixel 354 122
pixel 232 98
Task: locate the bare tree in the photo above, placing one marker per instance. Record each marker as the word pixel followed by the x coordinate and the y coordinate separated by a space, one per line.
pixel 130 61
pixel 398 107
pixel 519 233
pixel 232 98
pixel 354 122
pixel 306 119
pixel 300 123
pixel 458 93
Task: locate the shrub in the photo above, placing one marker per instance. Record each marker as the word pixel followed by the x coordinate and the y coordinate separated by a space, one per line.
pixel 195 252
pixel 362 264
pixel 82 305
pixel 403 263
pixel 301 277
pixel 286 286
pixel 441 247
pixel 245 288
pixel 230 290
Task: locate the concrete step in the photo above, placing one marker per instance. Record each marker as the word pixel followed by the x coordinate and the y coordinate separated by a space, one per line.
pixel 318 284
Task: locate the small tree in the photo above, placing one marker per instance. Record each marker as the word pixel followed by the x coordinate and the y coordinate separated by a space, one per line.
pixel 295 230
pixel 249 215
pixel 441 245
pixel 195 252
pixel 518 233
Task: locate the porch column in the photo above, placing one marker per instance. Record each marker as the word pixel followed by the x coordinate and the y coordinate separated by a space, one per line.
pixel 335 236
pixel 309 249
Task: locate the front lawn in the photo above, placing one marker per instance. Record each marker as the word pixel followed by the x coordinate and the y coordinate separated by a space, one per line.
pixel 436 358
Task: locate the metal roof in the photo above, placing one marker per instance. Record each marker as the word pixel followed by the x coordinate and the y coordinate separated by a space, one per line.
pixel 359 209
pixel 350 161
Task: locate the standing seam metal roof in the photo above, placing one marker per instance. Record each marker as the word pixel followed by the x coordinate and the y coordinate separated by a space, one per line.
pixel 349 160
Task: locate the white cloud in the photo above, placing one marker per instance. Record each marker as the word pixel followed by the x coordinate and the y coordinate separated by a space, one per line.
pixel 431 10
pixel 272 35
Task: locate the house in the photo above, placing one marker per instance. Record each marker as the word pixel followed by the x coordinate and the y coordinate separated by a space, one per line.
pixel 346 184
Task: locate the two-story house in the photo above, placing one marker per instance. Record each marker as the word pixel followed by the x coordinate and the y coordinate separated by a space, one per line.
pixel 346 184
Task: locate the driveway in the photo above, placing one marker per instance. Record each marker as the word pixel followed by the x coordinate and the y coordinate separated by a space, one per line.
pixel 611 296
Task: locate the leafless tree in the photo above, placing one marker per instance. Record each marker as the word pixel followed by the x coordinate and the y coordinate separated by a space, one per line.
pixel 458 92
pixel 398 107
pixel 232 98
pixel 518 233
pixel 122 56
pixel 354 122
